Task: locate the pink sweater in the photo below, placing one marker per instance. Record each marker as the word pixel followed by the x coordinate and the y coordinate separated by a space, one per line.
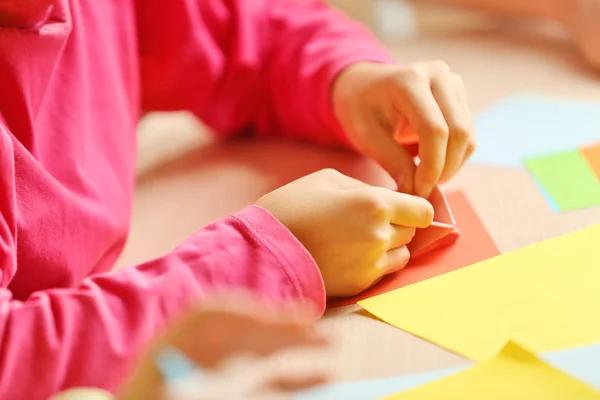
pixel 75 76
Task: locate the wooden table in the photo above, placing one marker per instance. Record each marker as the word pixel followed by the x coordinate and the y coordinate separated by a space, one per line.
pixel 186 180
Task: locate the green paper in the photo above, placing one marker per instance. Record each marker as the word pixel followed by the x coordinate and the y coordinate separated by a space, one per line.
pixel 567 178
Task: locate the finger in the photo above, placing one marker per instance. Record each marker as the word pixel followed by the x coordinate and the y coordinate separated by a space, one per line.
pixel 391 155
pixel 405 209
pixel 444 91
pixel 396 259
pixel 400 235
pixel 424 115
pixel 472 144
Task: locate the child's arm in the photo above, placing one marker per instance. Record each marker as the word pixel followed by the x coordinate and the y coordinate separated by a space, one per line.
pixel 24 13
pixel 88 335
pixel 297 68
pixel 265 65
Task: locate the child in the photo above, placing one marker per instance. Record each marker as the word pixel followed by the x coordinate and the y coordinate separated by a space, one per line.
pixel 75 75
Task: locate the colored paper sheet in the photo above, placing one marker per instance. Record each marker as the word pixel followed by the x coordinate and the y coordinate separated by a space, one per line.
pixel 442 232
pixel 592 156
pixel 524 126
pixel 567 178
pixel 474 245
pixel 514 373
pixel 553 206
pixel 581 363
pixel 544 296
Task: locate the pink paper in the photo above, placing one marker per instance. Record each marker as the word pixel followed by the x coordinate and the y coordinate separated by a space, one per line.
pixel 441 232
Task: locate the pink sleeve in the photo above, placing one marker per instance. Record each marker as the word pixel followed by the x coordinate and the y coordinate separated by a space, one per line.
pixel 89 335
pixel 260 65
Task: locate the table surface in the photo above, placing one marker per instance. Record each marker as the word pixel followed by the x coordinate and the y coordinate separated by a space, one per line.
pixel 187 180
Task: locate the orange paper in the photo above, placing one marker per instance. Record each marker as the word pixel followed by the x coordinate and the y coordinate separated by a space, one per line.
pixel 592 156
pixel 441 232
pixel 473 245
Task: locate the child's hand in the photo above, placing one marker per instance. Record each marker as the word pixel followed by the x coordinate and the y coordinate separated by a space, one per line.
pixel 371 102
pixel 356 233
pixel 217 333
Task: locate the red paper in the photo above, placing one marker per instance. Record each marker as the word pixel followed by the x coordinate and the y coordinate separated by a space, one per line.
pixel 442 232
pixel 472 246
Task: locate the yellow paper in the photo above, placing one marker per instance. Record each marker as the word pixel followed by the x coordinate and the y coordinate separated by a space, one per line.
pixel 514 373
pixel 545 296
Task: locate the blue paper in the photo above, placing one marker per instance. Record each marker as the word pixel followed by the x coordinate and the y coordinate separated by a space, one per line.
pixel 525 126
pixel 173 364
pixel 549 199
pixel 373 389
pixel 582 363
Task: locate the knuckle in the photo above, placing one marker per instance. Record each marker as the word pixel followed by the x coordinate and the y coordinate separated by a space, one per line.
pixel 329 172
pixel 438 130
pixel 432 172
pixel 410 76
pixel 330 175
pixel 460 131
pixel 380 240
pixel 458 80
pixel 373 205
pixel 439 66
pixel 379 210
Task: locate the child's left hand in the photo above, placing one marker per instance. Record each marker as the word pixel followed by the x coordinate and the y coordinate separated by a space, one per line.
pixel 239 328
pixel 372 101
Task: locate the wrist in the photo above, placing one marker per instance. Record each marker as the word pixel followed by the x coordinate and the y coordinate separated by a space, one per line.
pixel 348 89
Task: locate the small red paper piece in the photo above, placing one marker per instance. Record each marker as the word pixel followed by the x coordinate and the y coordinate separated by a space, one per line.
pixel 442 232
pixel 473 245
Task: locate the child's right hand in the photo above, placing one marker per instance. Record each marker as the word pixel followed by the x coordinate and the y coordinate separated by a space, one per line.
pixel 355 232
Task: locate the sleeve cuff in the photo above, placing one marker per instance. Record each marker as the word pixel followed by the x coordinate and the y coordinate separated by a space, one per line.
pixel 296 262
